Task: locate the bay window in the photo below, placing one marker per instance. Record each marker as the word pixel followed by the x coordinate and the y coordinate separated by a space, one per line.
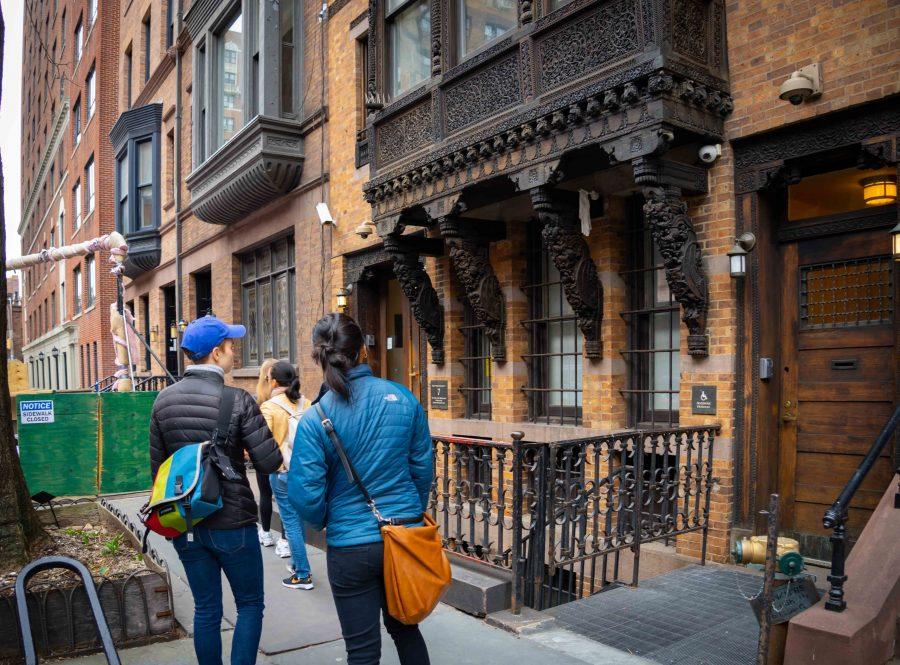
pixel 137 185
pixel 233 87
pixel 409 44
pixel 482 21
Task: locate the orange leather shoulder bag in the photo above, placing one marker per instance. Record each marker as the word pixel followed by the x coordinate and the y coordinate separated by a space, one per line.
pixel 416 570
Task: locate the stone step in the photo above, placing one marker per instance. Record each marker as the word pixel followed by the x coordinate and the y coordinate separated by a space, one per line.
pixel 478 589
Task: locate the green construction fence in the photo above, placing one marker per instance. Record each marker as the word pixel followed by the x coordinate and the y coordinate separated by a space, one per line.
pixel 82 444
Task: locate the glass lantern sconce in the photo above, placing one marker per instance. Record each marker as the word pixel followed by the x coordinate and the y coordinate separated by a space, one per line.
pixel 737 255
pixel 343 295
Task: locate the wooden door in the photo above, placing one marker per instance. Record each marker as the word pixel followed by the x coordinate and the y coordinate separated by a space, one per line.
pixel 838 367
pixel 400 345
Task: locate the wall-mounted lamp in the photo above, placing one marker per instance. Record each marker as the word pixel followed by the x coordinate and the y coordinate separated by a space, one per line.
pixel 55 352
pixel 879 190
pixel 176 328
pixel 342 294
pixel 41 356
pixel 895 237
pixel 154 334
pixel 737 255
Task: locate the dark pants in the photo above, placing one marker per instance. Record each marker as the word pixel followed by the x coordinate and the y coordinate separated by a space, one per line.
pixel 237 553
pixel 355 574
pixel 265 500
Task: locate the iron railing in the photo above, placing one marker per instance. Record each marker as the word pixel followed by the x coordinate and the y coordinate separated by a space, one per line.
pixel 105 384
pixel 558 516
pixel 157 382
pixel 835 517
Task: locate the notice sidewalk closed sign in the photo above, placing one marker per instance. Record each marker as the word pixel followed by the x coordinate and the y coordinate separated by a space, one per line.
pixel 35 412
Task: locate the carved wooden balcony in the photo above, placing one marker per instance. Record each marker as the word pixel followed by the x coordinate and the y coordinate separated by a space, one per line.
pixel 631 77
pixel 261 163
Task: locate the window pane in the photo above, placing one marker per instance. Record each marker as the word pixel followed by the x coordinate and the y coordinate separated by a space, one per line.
pixel 281 254
pixel 284 313
pixel 287 56
pixel 410 42
pixel 266 316
pixel 484 20
pixel 145 206
pixel 556 4
pixel 252 340
pixel 231 47
pixel 145 163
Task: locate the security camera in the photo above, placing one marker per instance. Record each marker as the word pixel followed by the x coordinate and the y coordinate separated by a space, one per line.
pixel 802 85
pixel 710 153
pixel 324 213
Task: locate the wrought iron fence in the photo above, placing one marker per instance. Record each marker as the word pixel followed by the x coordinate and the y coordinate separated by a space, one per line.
pixel 558 516
pixel 155 383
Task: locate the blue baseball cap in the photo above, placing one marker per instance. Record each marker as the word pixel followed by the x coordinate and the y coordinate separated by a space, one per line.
pixel 204 334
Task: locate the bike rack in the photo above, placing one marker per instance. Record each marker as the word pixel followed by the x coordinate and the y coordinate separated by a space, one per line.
pixel 48 563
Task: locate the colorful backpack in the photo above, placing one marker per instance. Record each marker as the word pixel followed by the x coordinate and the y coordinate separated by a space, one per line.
pixel 187 485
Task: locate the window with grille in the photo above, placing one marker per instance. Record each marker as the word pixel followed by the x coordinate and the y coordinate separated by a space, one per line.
pixel 653 355
pixel 857 292
pixel 267 302
pixel 554 358
pixel 477 364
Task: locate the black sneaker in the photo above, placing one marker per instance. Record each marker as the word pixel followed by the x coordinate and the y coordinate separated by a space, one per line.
pixel 294 582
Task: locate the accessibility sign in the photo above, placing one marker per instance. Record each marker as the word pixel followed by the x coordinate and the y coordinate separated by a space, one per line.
pixel 36 412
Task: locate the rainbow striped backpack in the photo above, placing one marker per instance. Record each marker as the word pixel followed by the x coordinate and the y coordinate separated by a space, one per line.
pixel 187 486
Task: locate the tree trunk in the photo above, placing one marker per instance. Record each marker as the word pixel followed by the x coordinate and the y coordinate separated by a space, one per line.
pixel 20 529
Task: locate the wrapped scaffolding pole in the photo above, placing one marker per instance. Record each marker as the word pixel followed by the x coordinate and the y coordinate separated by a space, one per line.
pixel 121 320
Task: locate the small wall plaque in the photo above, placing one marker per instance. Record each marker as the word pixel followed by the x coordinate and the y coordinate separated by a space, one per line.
pixel 703 400
pixel 439 395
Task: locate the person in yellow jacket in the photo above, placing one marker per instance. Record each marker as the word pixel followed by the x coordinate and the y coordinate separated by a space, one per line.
pixel 282 412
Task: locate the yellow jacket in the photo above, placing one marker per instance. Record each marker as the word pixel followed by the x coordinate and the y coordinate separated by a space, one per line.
pixel 277 418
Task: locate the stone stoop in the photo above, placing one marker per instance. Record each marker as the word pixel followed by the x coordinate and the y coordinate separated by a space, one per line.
pixel 866 632
pixel 476 589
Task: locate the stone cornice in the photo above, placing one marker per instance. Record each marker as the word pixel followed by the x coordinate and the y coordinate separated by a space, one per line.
pixel 59 124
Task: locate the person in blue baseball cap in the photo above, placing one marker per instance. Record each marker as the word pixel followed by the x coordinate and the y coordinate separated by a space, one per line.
pixel 187 412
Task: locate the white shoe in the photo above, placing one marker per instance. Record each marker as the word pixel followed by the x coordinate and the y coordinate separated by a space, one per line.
pixel 282 548
pixel 266 539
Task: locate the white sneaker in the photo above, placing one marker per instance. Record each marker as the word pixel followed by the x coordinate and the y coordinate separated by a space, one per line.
pixel 282 548
pixel 266 539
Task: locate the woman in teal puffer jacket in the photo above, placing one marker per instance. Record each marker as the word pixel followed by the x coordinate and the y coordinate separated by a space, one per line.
pixel 384 431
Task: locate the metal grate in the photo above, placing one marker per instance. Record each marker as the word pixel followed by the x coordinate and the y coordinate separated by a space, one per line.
pixel 477 365
pixel 842 294
pixel 554 360
pixel 653 355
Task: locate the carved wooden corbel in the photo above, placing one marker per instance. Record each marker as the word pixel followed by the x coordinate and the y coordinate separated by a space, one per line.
pixel 564 241
pixel 418 289
pixel 674 236
pixel 471 262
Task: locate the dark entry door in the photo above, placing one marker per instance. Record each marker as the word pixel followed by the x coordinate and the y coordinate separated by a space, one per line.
pixel 838 377
pixel 171 342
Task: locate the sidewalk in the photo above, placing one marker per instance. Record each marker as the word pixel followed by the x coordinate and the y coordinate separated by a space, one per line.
pixel 302 626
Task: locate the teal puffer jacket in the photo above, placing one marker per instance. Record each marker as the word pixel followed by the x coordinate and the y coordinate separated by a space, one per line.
pixel 385 433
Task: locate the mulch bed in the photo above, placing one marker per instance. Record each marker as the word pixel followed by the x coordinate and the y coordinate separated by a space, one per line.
pixel 103 551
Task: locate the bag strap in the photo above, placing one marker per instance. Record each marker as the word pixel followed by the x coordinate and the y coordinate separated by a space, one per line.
pixel 222 433
pixel 353 476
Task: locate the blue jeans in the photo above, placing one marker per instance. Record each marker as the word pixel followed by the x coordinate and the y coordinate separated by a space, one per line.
pixel 237 552
pixel 293 524
pixel 356 574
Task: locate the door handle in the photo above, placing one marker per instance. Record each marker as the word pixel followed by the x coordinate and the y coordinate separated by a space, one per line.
pixel 788 417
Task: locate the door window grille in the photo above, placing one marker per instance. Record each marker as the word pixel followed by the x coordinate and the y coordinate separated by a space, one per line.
pixel 842 294
pixel 554 358
pixel 267 282
pixel 653 355
pixel 477 363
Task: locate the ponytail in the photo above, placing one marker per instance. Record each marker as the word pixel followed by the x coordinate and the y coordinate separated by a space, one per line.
pixel 286 377
pixel 337 340
pixel 293 392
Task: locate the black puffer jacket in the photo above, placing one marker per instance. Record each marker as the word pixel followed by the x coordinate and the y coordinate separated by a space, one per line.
pixel 186 413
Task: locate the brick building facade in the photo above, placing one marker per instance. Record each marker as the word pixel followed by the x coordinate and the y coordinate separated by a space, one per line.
pixel 69 88
pixel 529 237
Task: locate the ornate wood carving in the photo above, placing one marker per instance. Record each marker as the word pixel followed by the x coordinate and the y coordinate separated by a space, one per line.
pixel 405 133
pixel 674 236
pixel 526 13
pixel 436 37
pixel 587 43
pixel 418 289
pixel 482 93
pixel 471 262
pixel 689 27
pixel 561 231
pixel 374 101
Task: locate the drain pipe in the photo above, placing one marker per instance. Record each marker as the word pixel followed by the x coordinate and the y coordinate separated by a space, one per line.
pixel 179 16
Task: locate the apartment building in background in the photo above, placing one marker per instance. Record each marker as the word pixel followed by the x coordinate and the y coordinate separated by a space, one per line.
pixel 69 88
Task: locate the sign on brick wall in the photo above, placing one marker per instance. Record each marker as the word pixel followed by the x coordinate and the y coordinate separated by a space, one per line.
pixel 703 400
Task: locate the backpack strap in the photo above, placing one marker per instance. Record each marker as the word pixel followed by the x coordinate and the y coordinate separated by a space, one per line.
pixel 222 433
pixel 353 476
